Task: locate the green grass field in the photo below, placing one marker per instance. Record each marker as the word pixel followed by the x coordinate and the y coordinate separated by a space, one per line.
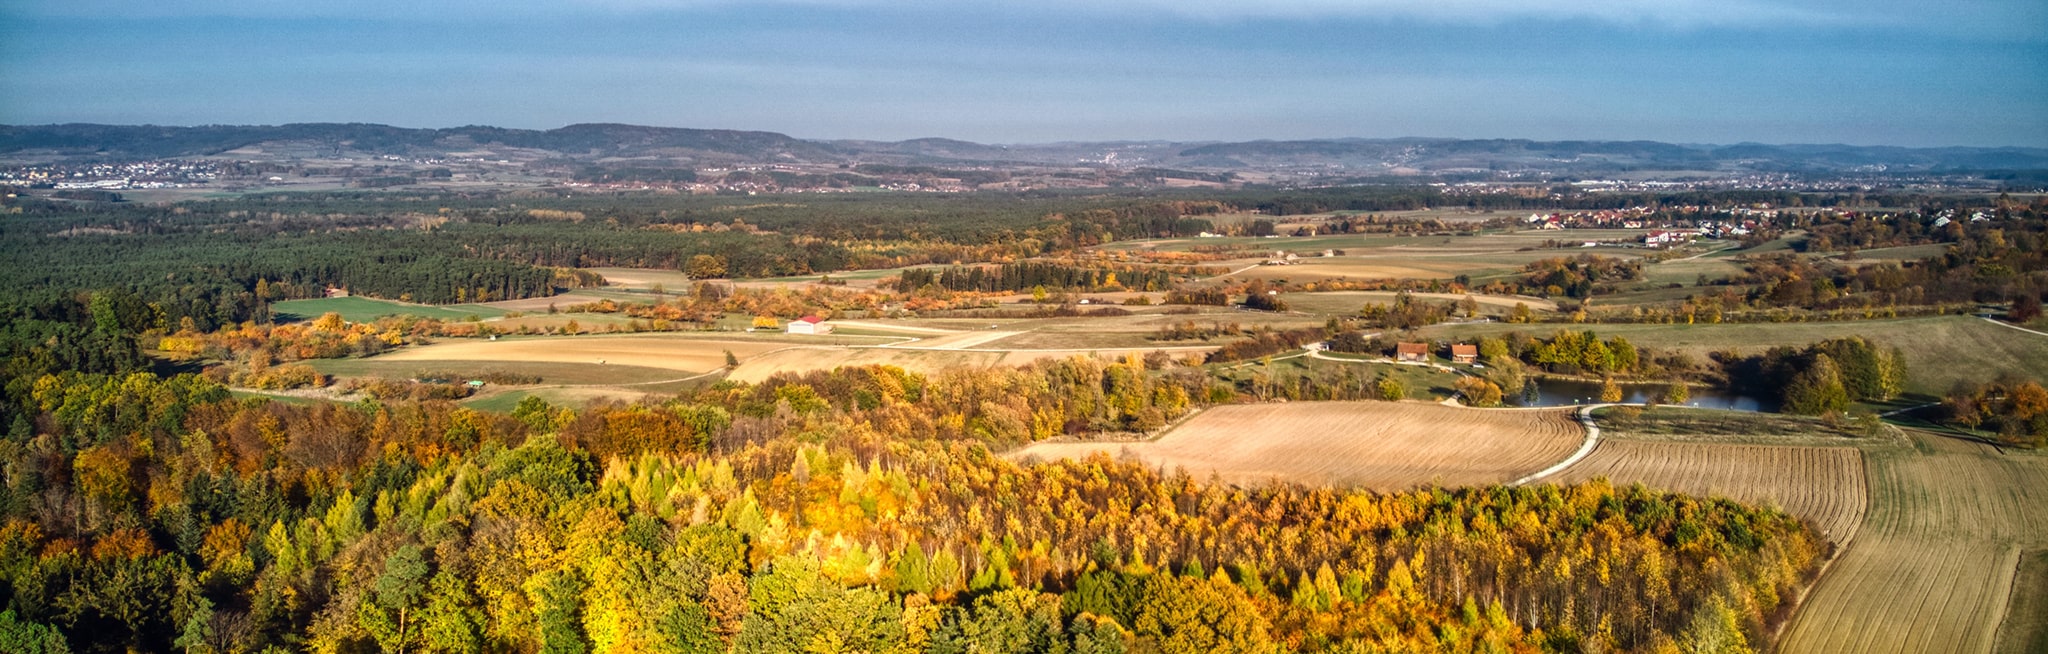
pixel 1939 351
pixel 363 309
pixel 1423 383
pixel 2026 620
pixel 1907 253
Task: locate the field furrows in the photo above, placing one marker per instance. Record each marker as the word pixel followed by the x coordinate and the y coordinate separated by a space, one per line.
pixel 1823 485
pixel 1933 566
pixel 1907 595
pixel 655 351
pixel 1379 445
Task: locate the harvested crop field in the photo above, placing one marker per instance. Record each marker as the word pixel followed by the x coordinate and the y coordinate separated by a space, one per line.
pixel 542 303
pixel 1823 485
pixel 807 359
pixel 1379 445
pixel 1933 568
pixel 652 351
pixel 914 359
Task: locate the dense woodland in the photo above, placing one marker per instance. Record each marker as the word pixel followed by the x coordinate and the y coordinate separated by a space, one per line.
pixel 1025 276
pixel 852 510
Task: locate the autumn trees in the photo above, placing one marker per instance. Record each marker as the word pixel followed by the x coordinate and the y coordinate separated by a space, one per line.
pixel 861 507
pixel 2015 409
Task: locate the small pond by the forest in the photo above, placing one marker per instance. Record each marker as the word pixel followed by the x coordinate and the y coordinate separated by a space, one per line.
pixel 1550 391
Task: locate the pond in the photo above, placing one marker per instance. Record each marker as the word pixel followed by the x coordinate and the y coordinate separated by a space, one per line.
pixel 1546 391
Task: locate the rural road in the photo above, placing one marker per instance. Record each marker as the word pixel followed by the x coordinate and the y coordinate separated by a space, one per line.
pixel 1233 272
pixel 2013 326
pixel 1702 254
pixel 1586 448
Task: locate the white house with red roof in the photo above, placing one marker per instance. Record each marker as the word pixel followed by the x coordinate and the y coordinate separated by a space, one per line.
pixel 809 325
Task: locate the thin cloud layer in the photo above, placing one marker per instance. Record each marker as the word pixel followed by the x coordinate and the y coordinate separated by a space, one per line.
pixel 2006 18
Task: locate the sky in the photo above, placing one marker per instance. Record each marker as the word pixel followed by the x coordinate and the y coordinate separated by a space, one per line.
pixel 1863 72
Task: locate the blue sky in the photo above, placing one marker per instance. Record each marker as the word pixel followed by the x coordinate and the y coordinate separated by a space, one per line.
pixel 1694 71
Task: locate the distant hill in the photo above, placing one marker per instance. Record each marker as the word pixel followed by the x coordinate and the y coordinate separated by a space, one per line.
pixel 658 146
pixel 575 141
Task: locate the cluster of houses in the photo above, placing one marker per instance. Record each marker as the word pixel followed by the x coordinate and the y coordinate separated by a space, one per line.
pixel 1419 352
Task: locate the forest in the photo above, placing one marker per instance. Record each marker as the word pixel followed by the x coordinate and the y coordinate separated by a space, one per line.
pixel 858 510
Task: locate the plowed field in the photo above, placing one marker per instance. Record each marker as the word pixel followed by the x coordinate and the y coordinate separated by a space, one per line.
pixel 1932 569
pixel 653 351
pixel 1378 445
pixel 1823 485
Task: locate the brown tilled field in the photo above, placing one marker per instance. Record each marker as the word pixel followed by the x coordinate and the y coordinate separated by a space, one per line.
pixel 1823 485
pixel 1932 569
pixel 1378 445
pixel 810 358
pixel 653 351
pixel 807 359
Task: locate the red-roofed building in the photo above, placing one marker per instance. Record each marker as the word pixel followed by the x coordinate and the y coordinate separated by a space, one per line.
pixel 809 325
pixel 1465 353
pixel 1411 352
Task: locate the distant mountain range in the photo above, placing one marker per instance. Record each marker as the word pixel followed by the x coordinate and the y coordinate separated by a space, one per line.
pixel 614 144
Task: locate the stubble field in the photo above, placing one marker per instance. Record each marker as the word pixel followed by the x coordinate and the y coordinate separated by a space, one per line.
pixel 652 351
pixel 1379 445
pixel 1933 568
pixel 1823 485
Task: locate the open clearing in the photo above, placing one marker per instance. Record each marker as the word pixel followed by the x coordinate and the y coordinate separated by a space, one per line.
pixel 1933 567
pixel 572 373
pixel 571 397
pixel 363 309
pixel 806 359
pixel 542 303
pixel 1349 302
pixel 1823 485
pixel 1940 350
pixel 1380 445
pixel 652 351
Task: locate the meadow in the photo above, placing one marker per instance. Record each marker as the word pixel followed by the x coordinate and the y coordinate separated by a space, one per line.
pixel 364 309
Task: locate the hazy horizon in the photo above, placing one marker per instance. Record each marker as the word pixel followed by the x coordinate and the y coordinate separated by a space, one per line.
pixel 829 139
pixel 1888 72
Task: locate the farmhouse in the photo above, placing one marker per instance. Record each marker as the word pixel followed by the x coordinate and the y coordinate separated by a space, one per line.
pixel 809 325
pixel 1464 353
pixel 1411 352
